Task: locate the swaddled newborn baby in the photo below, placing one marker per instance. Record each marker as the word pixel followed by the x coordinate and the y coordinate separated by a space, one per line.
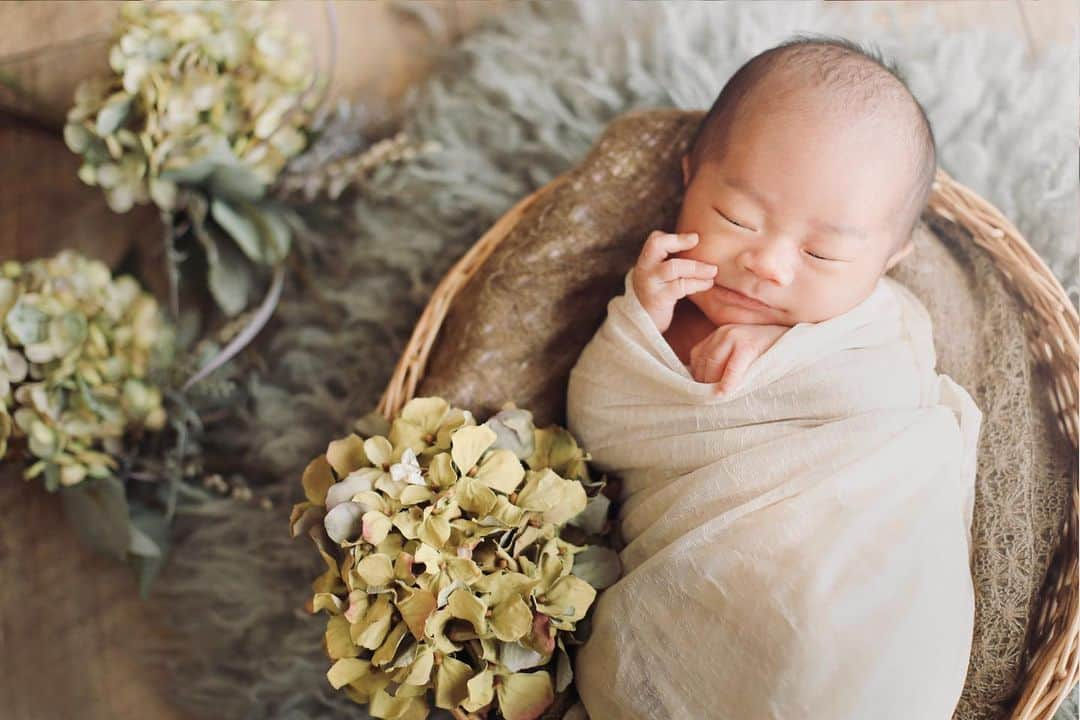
pixel 798 478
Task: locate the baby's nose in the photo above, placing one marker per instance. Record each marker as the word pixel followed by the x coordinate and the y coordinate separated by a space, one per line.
pixel 773 261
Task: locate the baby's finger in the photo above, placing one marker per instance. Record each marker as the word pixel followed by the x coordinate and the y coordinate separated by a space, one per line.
pixel 707 360
pixel 711 367
pixel 681 287
pixel 737 363
pixel 660 244
pixel 686 268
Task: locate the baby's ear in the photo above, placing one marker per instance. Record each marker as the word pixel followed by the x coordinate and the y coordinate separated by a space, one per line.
pixel 900 254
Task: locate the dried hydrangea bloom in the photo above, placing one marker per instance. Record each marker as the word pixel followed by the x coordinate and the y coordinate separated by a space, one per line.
pixel 203 93
pixel 208 103
pixel 75 351
pixel 447 570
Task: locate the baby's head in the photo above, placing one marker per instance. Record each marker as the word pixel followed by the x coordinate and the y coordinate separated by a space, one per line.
pixel 805 182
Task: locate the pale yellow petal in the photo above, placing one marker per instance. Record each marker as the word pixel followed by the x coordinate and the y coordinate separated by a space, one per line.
pixel 420 670
pixel 568 599
pixel 338 640
pixel 463 604
pixel 434 530
pixel 427 412
pixel 481 690
pixel 329 602
pixel 474 497
pixel 346 455
pixel 500 470
pixel 397 707
pixel 525 696
pixel 379 451
pixel 441 472
pixel 435 631
pixel 376 526
pixel 346 670
pixel 413 494
pixel 376 570
pixel 512 619
pixel 416 609
pixel 469 443
pixel 317 480
pixel 385 654
pixel 451 683
pixel 375 625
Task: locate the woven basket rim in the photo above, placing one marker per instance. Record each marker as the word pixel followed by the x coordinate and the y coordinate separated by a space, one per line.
pixel 1053 327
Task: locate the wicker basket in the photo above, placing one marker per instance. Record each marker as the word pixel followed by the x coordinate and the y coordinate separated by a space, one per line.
pixel 1053 328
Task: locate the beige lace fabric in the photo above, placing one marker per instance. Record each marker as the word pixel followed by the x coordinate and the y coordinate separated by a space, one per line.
pixel 1025 465
pixel 519 325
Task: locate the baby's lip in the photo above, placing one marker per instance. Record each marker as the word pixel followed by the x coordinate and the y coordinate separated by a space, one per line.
pixel 748 298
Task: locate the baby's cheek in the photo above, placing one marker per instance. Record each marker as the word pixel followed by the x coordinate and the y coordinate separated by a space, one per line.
pixel 710 249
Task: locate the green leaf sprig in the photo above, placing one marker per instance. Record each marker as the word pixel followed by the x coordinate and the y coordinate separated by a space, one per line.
pixel 207 104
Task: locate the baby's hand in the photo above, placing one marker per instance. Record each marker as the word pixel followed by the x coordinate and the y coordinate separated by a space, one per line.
pixel 726 353
pixel 660 283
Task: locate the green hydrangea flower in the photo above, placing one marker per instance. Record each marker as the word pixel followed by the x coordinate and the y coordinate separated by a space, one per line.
pixel 202 93
pixel 75 350
pixel 208 103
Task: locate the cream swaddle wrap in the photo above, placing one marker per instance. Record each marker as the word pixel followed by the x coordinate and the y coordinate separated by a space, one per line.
pixel 797 549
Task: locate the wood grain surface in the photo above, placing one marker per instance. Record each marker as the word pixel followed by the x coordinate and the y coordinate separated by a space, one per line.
pixel 71 622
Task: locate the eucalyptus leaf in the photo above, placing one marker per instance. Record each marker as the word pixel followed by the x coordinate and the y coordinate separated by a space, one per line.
pixel 149 545
pixel 195 163
pixel 142 544
pixel 275 231
pixel 236 182
pixel 241 226
pixel 99 512
pixel 228 274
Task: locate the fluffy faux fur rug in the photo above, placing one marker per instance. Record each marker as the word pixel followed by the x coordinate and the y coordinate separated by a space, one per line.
pixel 519 101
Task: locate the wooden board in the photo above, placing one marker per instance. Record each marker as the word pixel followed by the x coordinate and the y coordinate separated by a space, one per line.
pixel 70 620
pixel 49 47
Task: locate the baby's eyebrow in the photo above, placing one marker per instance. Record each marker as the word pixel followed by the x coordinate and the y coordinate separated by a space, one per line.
pixel 847 230
pixel 743 187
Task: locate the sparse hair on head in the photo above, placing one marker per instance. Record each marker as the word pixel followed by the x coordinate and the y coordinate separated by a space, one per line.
pixel 860 79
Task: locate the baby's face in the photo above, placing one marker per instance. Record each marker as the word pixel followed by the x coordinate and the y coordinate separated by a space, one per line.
pixel 788 189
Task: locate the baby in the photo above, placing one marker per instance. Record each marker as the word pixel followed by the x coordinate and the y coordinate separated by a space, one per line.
pixel 798 480
pixel 803 186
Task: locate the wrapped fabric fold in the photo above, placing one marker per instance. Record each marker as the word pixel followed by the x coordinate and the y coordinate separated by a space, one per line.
pixel 798 548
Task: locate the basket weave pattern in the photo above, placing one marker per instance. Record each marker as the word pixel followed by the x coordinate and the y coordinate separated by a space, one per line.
pixel 1052 334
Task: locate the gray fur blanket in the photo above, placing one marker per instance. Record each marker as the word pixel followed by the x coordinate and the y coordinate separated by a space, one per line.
pixel 517 102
